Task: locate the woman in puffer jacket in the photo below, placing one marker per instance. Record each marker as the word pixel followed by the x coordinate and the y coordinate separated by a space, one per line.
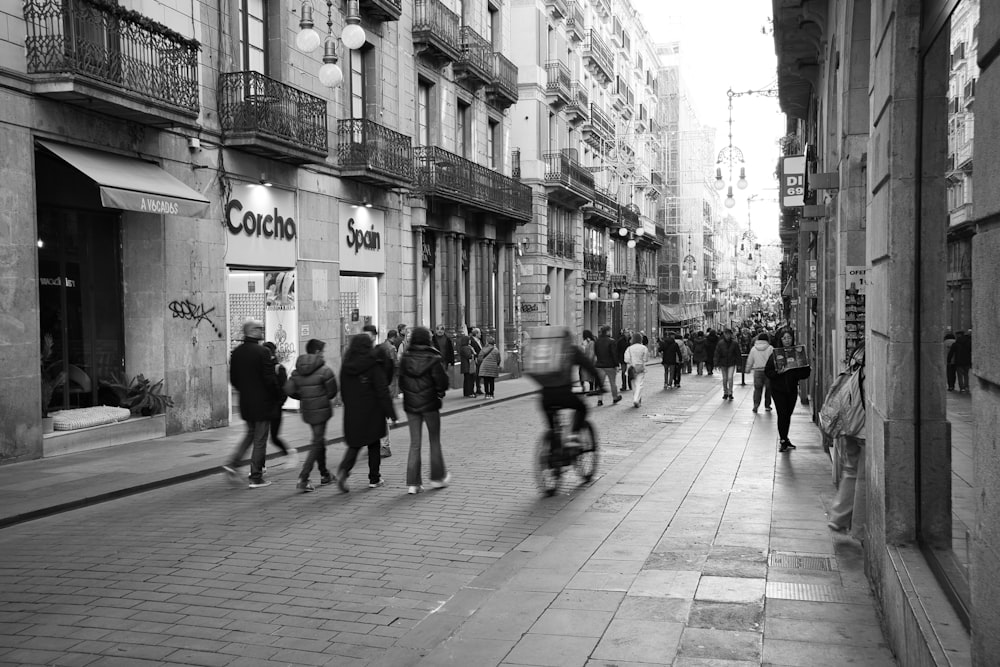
pixel 756 361
pixel 314 385
pixel 423 381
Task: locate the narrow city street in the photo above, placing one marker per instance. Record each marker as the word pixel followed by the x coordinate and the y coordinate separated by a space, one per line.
pixel 697 542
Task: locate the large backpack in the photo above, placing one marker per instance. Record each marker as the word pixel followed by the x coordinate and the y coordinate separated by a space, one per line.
pixel 548 356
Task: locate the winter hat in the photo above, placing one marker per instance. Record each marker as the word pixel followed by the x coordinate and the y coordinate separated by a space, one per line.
pixel 420 336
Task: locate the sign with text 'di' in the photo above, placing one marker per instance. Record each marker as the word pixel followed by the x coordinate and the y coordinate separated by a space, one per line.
pixel 793 181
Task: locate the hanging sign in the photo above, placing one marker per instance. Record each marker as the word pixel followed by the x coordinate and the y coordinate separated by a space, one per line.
pixel 793 181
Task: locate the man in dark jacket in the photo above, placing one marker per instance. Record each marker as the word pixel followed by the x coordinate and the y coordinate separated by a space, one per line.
pixel 960 355
pixel 711 341
pixel 606 362
pixel 670 352
pixel 314 385
pixel 424 383
pixel 251 372
pixel 561 395
pixel 367 406
pixel 476 341
pixel 727 357
pixel 624 340
pixel 444 345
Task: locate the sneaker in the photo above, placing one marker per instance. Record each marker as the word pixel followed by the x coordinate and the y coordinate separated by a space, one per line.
pixel 755 408
pixel 342 483
pixel 617 399
pixel 788 443
pixel 305 487
pixel 260 483
pixel 326 479
pixel 600 402
pixel 413 490
pixel 443 483
pixel 767 407
pixel 783 447
pixel 375 485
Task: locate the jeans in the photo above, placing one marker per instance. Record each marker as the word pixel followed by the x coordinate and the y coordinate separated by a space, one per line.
pixel 637 383
pixel 317 453
pixel 609 374
pixel 701 367
pixel 257 436
pixel 784 404
pixel 374 461
pixel 275 427
pixel 416 421
pixel 963 377
pixel 728 373
pixel 760 384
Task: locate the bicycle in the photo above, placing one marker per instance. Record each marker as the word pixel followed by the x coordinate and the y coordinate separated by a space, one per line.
pixel 555 451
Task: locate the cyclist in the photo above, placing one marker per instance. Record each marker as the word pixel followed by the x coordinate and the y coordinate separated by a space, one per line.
pixel 557 389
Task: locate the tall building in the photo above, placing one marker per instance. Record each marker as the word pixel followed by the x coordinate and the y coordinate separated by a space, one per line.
pixel 584 125
pixel 177 169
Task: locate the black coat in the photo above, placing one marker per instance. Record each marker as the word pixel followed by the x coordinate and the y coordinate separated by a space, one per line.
pixel 727 353
pixel 314 385
pixel 605 353
pixel 670 351
pixel 367 404
pixel 422 379
pixel 620 347
pixel 960 353
pixel 444 345
pixel 251 371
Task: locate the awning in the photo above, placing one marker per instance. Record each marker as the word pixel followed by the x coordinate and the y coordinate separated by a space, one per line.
pixel 679 312
pixel 132 184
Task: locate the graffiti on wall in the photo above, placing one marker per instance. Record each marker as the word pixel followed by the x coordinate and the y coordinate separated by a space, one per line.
pixel 186 310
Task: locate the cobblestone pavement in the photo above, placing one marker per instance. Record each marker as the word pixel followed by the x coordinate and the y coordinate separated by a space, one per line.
pixel 201 573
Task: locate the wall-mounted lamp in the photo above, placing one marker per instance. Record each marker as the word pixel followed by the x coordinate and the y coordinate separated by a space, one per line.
pixel 592 296
pixel 616 295
pixel 631 243
pixel 623 231
pixel 265 181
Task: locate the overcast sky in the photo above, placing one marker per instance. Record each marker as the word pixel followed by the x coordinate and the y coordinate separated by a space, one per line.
pixel 728 44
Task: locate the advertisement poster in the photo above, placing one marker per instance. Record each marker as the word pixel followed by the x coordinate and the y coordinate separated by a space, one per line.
pixel 786 358
pixel 854 308
pixel 281 322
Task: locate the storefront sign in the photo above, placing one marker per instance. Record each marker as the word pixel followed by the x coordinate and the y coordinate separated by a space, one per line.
pixel 362 239
pixel 793 181
pixel 261 226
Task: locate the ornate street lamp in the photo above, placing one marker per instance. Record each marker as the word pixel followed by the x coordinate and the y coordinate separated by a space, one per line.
pixel 308 39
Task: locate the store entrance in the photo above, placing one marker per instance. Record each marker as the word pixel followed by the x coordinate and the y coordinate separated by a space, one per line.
pixel 358 304
pixel 80 306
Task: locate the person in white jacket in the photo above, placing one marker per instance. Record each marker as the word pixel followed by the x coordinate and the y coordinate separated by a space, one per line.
pixel 756 361
pixel 636 357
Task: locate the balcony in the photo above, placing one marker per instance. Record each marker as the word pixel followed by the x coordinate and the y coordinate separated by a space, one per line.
pixel 558 83
pixel 436 31
pixel 268 118
pixel 381 10
pixel 475 62
pixel 576 22
pixel 598 130
pixel 629 217
pixel 597 57
pixel 373 154
pixel 624 98
pixel 596 267
pixel 444 175
pixel 558 8
pixel 603 208
pixel 561 245
pixel 602 7
pixel 579 101
pixel 502 89
pixel 112 60
pixel 566 180
pixel 969 93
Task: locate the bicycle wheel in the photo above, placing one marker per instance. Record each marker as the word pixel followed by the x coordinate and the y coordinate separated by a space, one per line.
pixel 586 460
pixel 546 474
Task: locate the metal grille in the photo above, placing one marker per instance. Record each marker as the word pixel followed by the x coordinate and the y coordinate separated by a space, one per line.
pixel 800 561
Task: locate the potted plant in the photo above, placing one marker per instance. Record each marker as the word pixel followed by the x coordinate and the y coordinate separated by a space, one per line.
pixel 140 395
pixel 53 376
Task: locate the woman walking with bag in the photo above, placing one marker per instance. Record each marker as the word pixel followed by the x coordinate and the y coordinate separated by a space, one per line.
pixel 424 382
pixel 367 406
pixel 636 357
pixel 489 366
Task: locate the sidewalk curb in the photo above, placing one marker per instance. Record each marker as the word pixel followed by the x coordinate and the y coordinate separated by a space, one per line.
pixel 32 515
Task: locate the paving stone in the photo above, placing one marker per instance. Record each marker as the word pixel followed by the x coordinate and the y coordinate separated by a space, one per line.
pixel 546 650
pixel 721 644
pixel 748 616
pixel 572 623
pixel 639 641
pixel 465 651
pixel 665 583
pixel 668 610
pixel 507 615
pixel 588 600
pixel 855 633
pixel 795 654
pixel 730 589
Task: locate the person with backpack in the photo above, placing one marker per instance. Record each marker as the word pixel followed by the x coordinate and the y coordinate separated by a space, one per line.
pixel 291 454
pixel 557 385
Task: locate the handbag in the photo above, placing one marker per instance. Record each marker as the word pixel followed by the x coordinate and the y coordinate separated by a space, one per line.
pixel 385 451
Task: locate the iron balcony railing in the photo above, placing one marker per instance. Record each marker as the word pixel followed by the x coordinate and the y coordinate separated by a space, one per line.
pixel 579 100
pixel 502 90
pixel 382 10
pixel 598 56
pixel 604 205
pixel 561 245
pixel 250 102
pixel 476 59
pixel 559 80
pixel 364 144
pixel 576 22
pixel 595 262
pixel 563 168
pixel 599 126
pixel 439 173
pixel 437 27
pixel 109 43
pixel 629 217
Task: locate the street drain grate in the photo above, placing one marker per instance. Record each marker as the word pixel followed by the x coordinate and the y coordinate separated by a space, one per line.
pixel 809 592
pixel 800 561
